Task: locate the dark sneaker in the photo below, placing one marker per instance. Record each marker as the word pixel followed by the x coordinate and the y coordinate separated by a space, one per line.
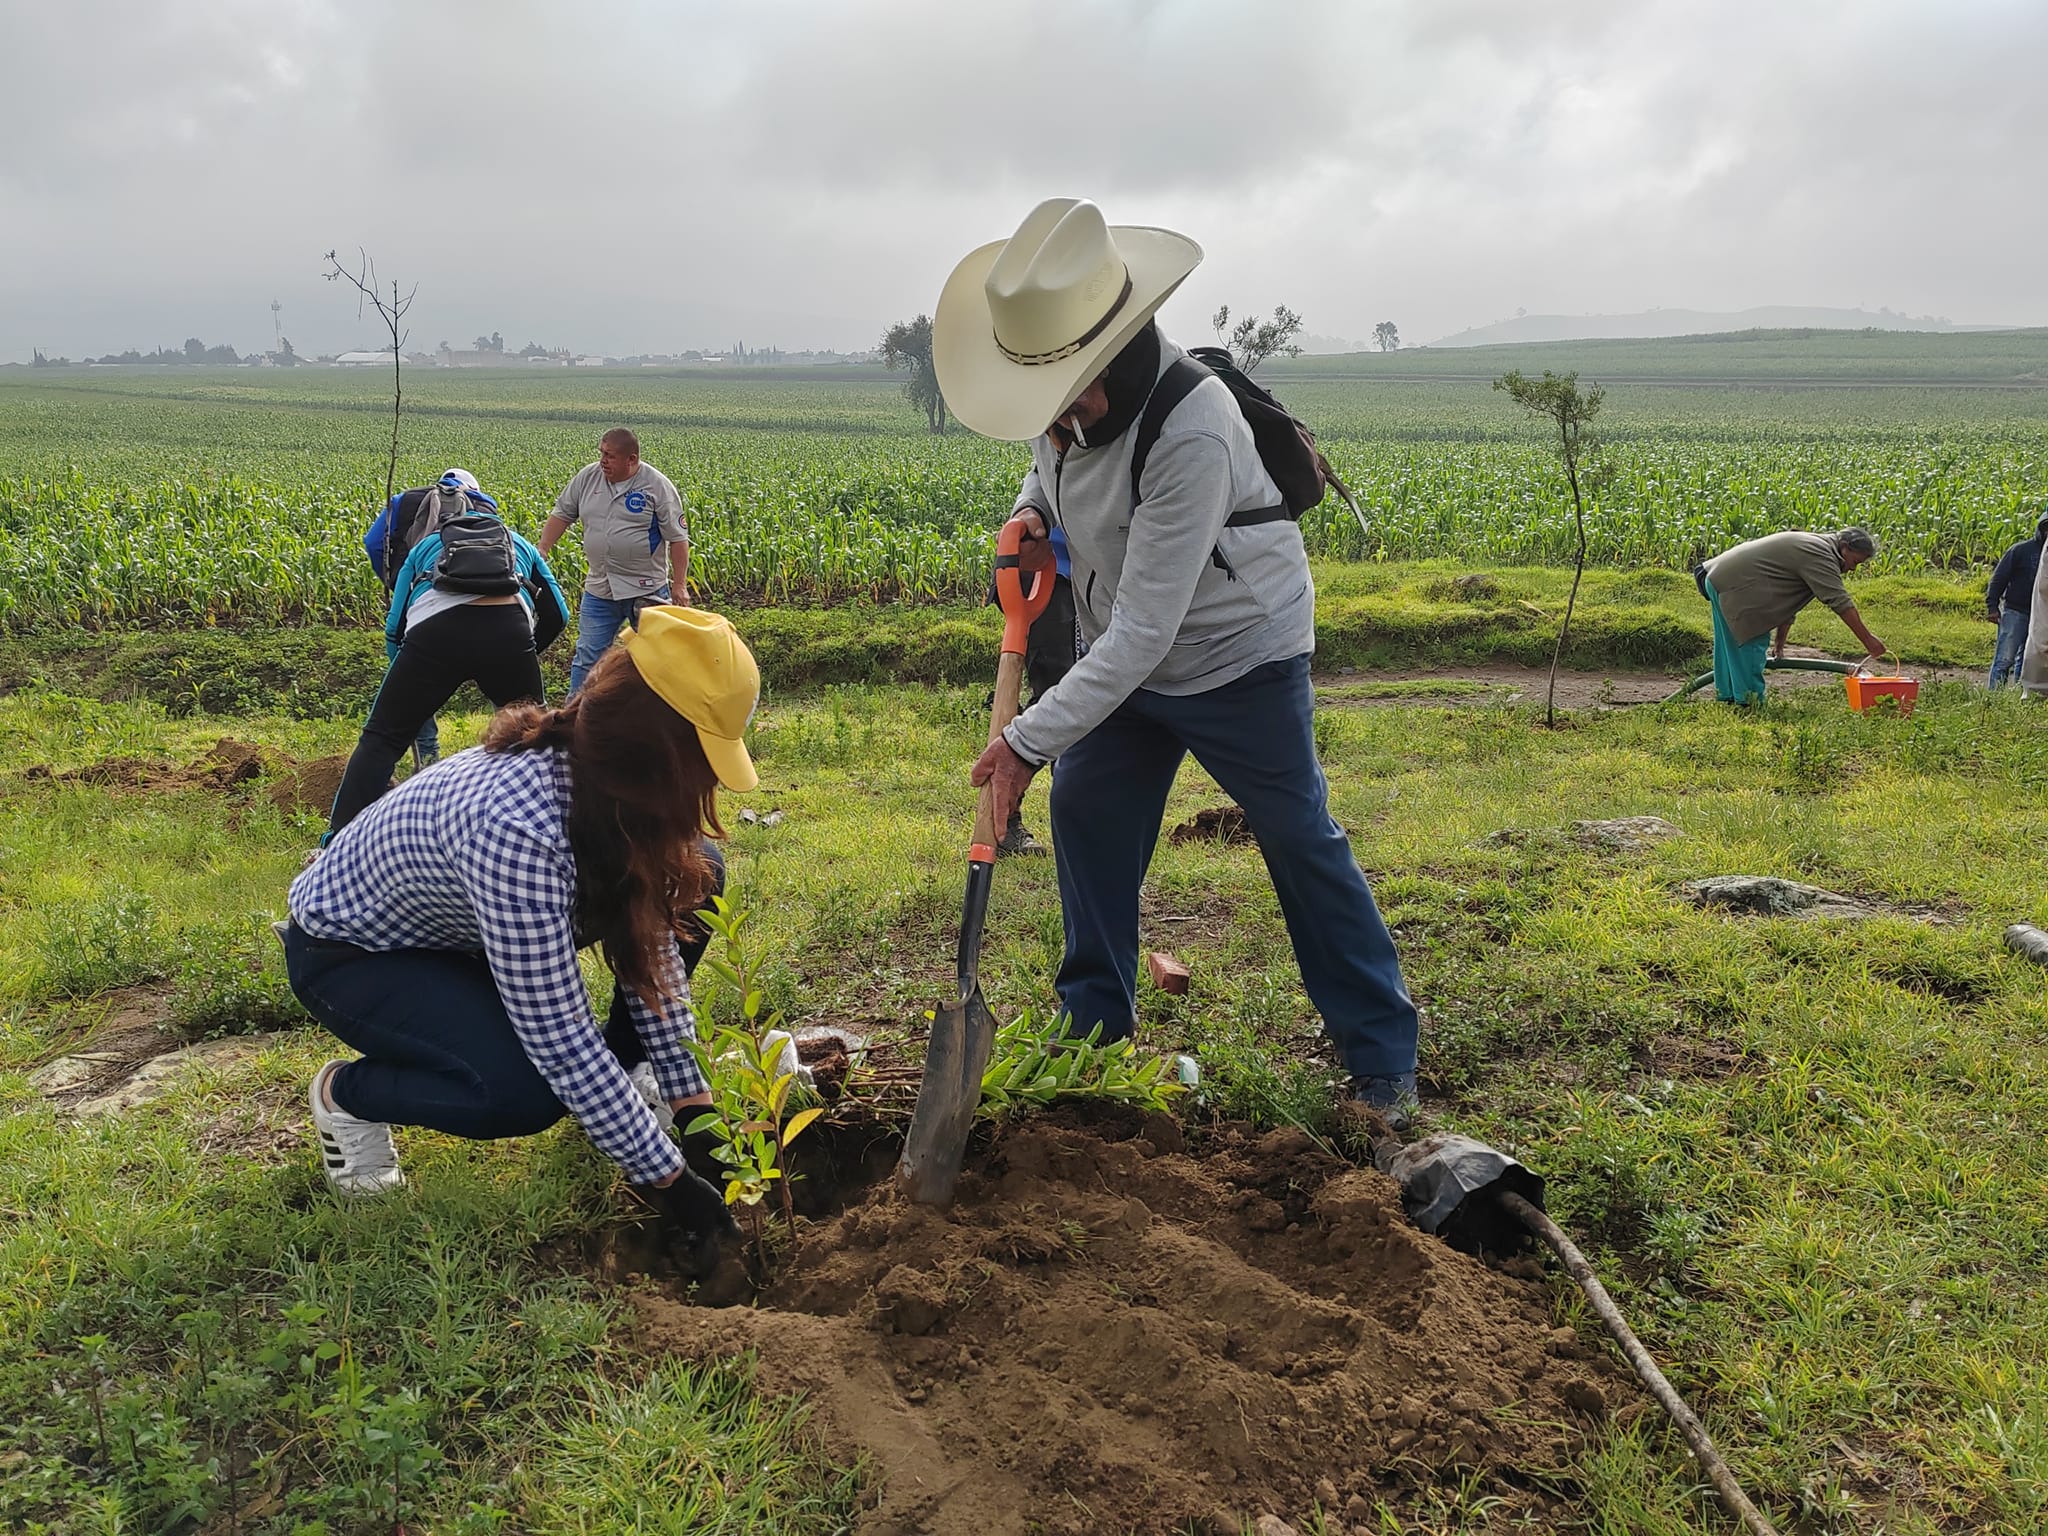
pixel 1392 1098
pixel 1018 841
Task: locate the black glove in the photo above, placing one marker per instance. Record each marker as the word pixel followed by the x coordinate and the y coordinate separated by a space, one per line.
pixel 696 1217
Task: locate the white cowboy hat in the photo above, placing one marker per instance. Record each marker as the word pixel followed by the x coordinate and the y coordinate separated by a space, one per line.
pixel 1025 324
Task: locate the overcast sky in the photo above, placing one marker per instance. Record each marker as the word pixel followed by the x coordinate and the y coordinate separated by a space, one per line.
pixel 616 176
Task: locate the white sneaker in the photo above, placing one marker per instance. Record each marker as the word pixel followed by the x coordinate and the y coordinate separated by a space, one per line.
pixel 650 1090
pixel 357 1156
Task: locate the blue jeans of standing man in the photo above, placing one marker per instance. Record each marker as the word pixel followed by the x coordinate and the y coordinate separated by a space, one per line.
pixel 2012 643
pixel 1256 737
pixel 598 622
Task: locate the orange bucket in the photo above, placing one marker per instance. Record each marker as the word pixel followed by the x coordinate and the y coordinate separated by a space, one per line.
pixel 1868 689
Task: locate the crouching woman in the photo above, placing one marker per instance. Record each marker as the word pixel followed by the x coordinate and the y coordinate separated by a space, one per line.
pixel 438 933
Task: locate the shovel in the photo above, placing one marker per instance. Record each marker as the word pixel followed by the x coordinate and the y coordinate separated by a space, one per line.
pixel 1475 1197
pixel 964 1032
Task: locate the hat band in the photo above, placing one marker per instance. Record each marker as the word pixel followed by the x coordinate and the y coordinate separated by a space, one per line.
pixel 1032 360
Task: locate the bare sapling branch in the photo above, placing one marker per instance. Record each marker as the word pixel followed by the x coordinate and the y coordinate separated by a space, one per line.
pixel 392 312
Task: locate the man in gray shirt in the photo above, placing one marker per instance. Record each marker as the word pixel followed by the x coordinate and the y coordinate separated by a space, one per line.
pixel 629 511
pixel 1194 600
pixel 1760 586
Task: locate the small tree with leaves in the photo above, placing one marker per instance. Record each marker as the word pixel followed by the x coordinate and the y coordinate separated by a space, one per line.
pixel 1558 399
pixel 392 312
pixel 1388 335
pixel 1252 341
pixel 908 345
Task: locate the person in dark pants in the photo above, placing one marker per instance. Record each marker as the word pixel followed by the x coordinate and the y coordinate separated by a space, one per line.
pixel 1197 609
pixel 445 638
pixel 438 934
pixel 1049 650
pixel 390 537
pixel 2009 601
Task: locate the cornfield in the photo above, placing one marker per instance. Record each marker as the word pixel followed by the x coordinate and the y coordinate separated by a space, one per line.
pixel 236 497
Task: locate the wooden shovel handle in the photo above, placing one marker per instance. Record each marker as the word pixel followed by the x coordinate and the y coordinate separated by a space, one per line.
pixel 1009 683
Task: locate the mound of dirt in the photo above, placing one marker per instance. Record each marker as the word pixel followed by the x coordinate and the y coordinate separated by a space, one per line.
pixel 1111 1332
pixel 226 764
pixel 1218 824
pixel 310 787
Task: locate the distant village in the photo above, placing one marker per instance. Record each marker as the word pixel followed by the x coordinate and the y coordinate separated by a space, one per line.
pixel 485 352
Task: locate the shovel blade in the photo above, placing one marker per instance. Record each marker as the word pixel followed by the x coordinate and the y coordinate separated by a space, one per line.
pixel 963 1035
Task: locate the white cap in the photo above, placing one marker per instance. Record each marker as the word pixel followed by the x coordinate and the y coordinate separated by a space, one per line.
pixel 461 477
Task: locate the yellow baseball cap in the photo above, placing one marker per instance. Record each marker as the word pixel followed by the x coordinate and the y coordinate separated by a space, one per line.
pixel 702 669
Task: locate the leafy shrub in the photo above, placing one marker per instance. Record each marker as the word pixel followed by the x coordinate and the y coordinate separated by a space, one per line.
pixel 91 946
pixel 230 980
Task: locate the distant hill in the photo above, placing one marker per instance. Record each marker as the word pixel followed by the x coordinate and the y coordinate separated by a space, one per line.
pixel 1692 322
pixel 1795 357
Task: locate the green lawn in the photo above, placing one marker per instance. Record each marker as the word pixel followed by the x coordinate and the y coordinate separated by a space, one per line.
pixel 1806 1156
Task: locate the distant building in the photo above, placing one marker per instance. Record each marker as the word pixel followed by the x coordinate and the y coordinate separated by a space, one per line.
pixel 361 359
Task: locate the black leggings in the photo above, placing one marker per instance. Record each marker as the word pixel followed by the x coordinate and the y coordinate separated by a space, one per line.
pixel 490 645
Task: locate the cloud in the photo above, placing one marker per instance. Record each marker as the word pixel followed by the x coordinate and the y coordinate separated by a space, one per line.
pixel 633 174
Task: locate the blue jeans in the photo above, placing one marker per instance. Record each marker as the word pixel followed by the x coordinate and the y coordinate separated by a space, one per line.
pixel 598 622
pixel 437 1047
pixel 2012 642
pixel 1256 737
pixel 1738 664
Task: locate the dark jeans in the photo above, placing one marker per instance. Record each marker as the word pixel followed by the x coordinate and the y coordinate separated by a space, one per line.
pixel 491 646
pixel 437 1047
pixel 1256 737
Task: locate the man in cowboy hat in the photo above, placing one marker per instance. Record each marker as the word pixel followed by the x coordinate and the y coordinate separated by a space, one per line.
pixel 1198 626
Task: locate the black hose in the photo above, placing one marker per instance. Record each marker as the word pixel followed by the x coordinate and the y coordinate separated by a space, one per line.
pixel 1729 1491
pixel 1788 664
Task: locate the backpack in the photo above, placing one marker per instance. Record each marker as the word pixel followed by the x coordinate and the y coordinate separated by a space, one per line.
pixel 477 556
pixel 1286 446
pixel 433 507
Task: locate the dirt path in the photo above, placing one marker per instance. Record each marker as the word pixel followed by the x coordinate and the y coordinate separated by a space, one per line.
pixel 1495 683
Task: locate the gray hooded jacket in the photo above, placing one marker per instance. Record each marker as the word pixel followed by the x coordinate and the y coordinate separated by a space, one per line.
pixel 1155 609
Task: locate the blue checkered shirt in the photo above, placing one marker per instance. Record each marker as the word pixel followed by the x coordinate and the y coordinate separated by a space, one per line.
pixel 472 856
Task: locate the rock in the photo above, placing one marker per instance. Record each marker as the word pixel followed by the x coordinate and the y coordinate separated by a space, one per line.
pixel 2028 942
pixel 158 1076
pixel 1625 833
pixel 1768 896
pixel 1326 1494
pixel 1273 1525
pixel 68 1074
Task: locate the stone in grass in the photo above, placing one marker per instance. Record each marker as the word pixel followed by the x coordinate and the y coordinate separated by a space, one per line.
pixel 2028 942
pixel 1625 833
pixel 158 1075
pixel 1768 896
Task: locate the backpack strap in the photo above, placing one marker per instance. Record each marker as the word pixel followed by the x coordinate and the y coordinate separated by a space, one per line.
pixel 1174 386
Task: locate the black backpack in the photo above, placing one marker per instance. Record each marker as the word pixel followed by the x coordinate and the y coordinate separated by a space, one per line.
pixel 420 513
pixel 477 556
pixel 1286 446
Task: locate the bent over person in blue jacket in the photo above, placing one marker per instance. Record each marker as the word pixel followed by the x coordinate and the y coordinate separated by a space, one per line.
pixel 443 635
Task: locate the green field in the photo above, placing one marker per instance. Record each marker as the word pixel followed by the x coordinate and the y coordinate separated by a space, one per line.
pixel 235 496
pixel 1806 1155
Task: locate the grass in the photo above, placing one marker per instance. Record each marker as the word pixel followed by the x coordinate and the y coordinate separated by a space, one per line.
pixel 1806 1157
pixel 1411 615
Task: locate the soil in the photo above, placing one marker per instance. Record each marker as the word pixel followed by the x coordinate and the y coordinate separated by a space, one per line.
pixel 227 766
pixel 1218 824
pixel 1114 1330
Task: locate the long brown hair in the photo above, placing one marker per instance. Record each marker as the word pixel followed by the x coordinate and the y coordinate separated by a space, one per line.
pixel 641 796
